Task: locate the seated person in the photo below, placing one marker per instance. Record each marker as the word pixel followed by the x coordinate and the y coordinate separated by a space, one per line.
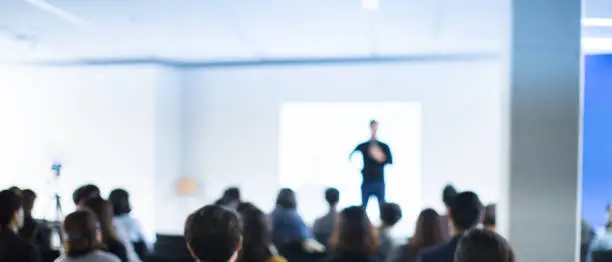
pixel 33 231
pixel 465 213
pixel 488 222
pixel 483 246
pixel 354 238
pixel 324 226
pixel 127 227
pixel 601 243
pixel 81 194
pixel 214 234
pixel 13 248
pixel 256 239
pixel 83 241
pixel 109 237
pixel 448 196
pixel 428 232
pixel 390 214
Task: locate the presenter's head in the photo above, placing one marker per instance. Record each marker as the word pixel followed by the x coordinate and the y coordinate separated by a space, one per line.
pixel 373 128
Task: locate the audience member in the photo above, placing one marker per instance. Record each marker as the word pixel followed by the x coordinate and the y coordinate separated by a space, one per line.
pixel 214 234
pixel 257 239
pixel 428 232
pixel 102 209
pixel 390 214
pixel 127 226
pixel 601 243
pixel 82 239
pixel 324 226
pixel 448 197
pixel 354 238
pixel 465 213
pixel 587 235
pixel 13 248
pixel 287 224
pixel 488 221
pixel 480 245
pixel 33 231
pixel 83 193
pixel 231 198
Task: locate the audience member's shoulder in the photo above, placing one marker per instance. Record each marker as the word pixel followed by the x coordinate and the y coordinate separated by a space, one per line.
pixel 276 259
pixel 430 254
pixel 105 257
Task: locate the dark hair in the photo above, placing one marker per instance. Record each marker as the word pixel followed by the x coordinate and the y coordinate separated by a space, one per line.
pixel 231 194
pixel 103 211
pixel 354 232
pixel 213 233
pixel 29 197
pixel 332 196
pixel 80 229
pixel 466 211
pixel 483 246
pixel 10 202
pixel 84 192
pixel 256 234
pixel 390 214
pixel 449 193
pixel 489 215
pixel 286 199
pixel 373 122
pixel 120 199
pixel 428 232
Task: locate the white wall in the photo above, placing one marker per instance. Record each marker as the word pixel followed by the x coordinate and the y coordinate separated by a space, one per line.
pixel 232 121
pixel 142 128
pixel 97 121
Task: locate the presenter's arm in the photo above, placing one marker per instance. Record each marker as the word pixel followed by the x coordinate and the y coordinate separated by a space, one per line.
pixel 354 150
pixel 389 155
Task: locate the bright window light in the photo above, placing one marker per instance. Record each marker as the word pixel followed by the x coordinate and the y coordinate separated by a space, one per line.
pixel 597 22
pixel 369 4
pixel 597 45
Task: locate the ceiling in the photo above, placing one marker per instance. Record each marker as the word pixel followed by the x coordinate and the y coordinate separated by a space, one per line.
pixel 213 30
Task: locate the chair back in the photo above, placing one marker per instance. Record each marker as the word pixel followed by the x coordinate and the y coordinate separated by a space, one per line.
pixel 601 256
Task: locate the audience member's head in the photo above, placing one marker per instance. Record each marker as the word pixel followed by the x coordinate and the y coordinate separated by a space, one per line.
pixel 354 233
pixel 231 197
pixel 120 199
pixel 15 189
pixel 84 192
pixel 214 234
pixel 448 195
pixel 488 220
pixel 429 231
pixel 286 199
pixel 332 196
pixel 29 197
pixel 256 234
pixel 103 211
pixel 11 211
pixel 81 233
pixel 465 212
pixel 390 214
pixel 483 246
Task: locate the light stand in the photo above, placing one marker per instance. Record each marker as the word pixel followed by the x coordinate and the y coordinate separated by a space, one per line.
pixel 57 171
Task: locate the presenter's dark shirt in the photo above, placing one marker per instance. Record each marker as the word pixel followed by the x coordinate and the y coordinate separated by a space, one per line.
pixel 373 171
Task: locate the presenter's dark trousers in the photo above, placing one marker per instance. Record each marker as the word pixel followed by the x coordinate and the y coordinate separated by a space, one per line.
pixel 372 188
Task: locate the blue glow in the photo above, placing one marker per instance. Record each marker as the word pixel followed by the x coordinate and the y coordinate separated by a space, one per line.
pixel 597 139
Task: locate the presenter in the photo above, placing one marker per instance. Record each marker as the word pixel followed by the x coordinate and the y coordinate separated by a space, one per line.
pixel 376 155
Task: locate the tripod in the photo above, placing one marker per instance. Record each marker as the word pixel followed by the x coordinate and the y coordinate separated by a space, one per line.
pixel 57 171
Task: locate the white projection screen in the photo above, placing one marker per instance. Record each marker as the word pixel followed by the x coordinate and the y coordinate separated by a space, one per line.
pixel 317 138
